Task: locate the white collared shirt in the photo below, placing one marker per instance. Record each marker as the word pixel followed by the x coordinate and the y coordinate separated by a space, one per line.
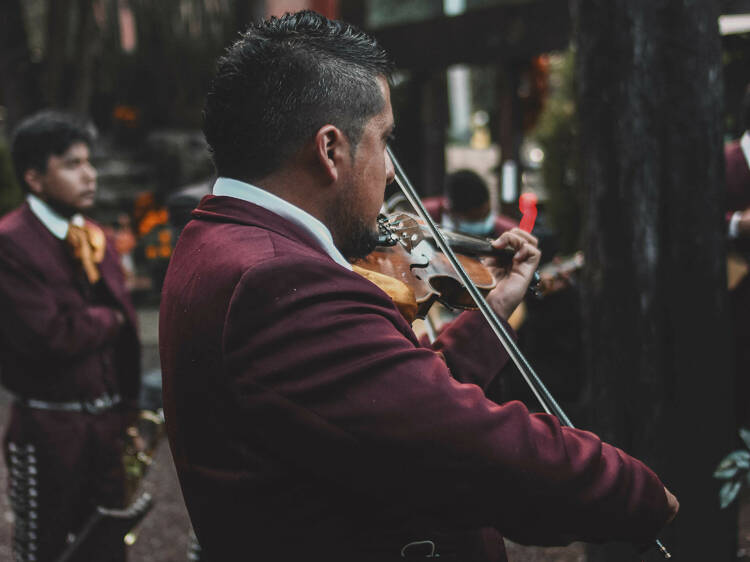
pixel 228 187
pixel 745 144
pixel 55 223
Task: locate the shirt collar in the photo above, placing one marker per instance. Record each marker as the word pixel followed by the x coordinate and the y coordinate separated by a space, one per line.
pixel 745 144
pixel 228 187
pixel 55 223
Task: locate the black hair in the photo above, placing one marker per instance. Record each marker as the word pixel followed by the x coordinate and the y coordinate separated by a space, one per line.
pixel 465 190
pixel 44 134
pixel 745 113
pixel 283 80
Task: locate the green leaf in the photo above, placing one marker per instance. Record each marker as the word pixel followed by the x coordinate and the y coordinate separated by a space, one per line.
pixel 726 473
pixel 726 463
pixel 735 460
pixel 728 493
pixel 745 436
pixel 741 458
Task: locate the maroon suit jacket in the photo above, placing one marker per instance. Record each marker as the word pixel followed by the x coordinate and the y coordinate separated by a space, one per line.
pixel 53 340
pixel 307 423
pixel 737 178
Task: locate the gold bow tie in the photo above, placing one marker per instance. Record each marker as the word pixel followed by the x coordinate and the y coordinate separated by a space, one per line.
pixel 89 244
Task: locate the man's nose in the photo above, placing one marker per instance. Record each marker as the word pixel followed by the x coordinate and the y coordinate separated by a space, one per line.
pixel 89 172
pixel 390 172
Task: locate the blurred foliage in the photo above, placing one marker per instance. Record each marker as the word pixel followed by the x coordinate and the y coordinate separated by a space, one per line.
pixel 11 194
pixel 734 470
pixel 557 133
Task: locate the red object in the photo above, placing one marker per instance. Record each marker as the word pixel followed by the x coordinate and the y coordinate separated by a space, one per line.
pixel 527 205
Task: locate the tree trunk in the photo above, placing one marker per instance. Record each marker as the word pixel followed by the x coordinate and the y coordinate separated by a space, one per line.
pixel 87 47
pixel 434 121
pixel 248 11
pixel 18 90
pixel 56 49
pixel 655 308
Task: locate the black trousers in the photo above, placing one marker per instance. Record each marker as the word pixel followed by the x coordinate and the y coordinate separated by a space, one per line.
pixel 61 465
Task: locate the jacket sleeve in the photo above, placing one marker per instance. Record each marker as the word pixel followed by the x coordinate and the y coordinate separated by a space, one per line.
pixel 472 351
pixel 34 323
pixel 343 391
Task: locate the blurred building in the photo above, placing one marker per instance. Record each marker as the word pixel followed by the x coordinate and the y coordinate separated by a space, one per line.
pixel 471 78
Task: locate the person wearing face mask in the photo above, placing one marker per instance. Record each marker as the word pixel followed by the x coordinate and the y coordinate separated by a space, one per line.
pixel 548 329
pixel 465 207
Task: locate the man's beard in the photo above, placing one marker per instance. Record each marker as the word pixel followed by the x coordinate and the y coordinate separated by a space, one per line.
pixel 354 236
pixel 361 240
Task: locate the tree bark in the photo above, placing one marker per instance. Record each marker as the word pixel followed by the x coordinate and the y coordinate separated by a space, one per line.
pixel 18 89
pixel 88 45
pixel 655 308
pixel 56 49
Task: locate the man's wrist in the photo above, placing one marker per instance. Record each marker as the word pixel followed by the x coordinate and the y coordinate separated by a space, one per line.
pixel 502 308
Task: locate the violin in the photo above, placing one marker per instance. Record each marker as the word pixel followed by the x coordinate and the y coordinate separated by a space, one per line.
pixel 407 254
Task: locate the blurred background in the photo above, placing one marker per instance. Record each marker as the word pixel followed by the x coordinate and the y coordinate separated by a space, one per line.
pixel 562 99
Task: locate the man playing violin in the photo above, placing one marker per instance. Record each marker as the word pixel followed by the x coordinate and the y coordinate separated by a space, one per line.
pixel 305 420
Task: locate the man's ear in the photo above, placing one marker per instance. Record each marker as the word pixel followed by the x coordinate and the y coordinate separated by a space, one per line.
pixel 33 180
pixel 331 150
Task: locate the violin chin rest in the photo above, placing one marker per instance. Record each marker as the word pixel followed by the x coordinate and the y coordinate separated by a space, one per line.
pixel 401 294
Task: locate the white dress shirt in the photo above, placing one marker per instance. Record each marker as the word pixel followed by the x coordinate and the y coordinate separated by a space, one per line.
pixel 56 224
pixel 228 187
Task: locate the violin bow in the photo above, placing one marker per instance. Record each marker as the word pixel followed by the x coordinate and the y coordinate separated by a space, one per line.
pixel 542 394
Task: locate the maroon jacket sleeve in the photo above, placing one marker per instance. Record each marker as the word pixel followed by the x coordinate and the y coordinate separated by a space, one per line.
pixel 345 392
pixel 34 322
pixel 472 351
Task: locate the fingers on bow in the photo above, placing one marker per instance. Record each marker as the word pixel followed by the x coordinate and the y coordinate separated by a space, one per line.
pixel 525 245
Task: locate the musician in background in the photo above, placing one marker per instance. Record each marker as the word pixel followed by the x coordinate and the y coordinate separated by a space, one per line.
pixel 549 330
pixel 465 207
pixel 737 164
pixel 69 352
pixel 305 420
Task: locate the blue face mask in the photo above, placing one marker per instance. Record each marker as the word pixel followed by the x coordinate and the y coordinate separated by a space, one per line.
pixel 484 227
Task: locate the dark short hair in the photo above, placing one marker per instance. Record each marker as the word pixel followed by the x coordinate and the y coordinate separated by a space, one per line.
pixel 44 134
pixel 466 190
pixel 283 80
